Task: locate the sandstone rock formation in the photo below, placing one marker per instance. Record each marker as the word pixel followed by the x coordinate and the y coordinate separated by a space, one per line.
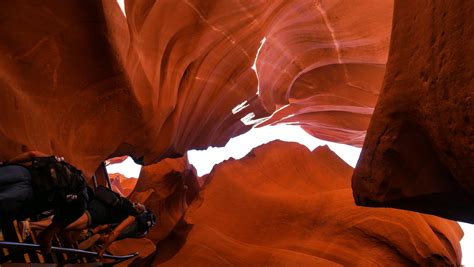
pixel 419 150
pixel 167 188
pixel 62 88
pixel 72 73
pixel 121 184
pixel 143 246
pixel 81 80
pixel 283 203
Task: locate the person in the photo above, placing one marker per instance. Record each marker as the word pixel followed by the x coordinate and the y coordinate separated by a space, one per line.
pixel 105 209
pixel 34 182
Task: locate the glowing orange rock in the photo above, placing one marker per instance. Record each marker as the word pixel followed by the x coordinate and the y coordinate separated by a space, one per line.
pixel 83 81
pixel 283 203
pixel 121 184
pixel 167 188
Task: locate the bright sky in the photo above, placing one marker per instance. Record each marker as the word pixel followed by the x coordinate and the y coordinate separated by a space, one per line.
pixel 241 145
pixel 467 244
pixel 128 168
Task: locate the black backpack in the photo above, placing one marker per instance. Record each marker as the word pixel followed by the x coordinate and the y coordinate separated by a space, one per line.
pixel 107 196
pixel 55 180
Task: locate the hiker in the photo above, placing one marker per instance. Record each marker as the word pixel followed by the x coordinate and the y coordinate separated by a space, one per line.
pixel 34 182
pixel 105 209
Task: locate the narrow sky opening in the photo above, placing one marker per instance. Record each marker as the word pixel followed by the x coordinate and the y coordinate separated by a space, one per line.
pixel 467 244
pixel 121 4
pixel 254 66
pixel 128 168
pixel 238 147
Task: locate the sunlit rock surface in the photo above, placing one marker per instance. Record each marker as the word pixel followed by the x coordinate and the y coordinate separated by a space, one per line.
pixel 283 203
pixel 121 184
pixel 81 80
pixel 167 188
pixel 74 72
pixel 419 150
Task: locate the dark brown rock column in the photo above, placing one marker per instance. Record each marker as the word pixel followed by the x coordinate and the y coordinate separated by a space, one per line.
pixel 419 151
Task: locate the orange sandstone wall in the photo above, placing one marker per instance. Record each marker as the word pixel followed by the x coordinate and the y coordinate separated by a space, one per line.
pixel 285 204
pixel 83 81
pixel 419 153
pixel 62 89
pixel 167 188
pixel 80 80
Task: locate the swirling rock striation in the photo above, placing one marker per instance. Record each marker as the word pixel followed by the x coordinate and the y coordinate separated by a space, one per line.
pixel 167 188
pixel 283 203
pixel 81 80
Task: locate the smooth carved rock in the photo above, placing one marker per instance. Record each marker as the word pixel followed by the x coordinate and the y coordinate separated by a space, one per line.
pixel 83 81
pixel 419 150
pixel 283 203
pixel 62 89
pixel 121 184
pixel 143 246
pixel 167 188
pixel 330 88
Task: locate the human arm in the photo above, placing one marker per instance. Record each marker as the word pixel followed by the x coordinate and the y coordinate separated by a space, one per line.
pixel 100 228
pixel 27 156
pixel 116 232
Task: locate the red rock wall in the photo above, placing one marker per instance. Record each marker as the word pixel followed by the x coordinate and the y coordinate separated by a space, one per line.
pixel 419 152
pixel 62 88
pixel 283 203
pixel 82 81
pixel 121 184
pixel 167 188
pixel 330 70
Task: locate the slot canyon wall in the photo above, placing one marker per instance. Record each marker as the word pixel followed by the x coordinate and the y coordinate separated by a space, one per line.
pixel 283 204
pixel 419 150
pixel 81 80
pixel 75 72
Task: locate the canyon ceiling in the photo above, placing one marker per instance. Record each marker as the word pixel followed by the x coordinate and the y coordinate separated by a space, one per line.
pixel 81 80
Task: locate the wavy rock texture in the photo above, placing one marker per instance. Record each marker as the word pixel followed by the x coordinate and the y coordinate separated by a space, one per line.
pixel 329 88
pixel 419 151
pixel 283 203
pixel 76 71
pixel 144 246
pixel 167 188
pixel 62 88
pixel 122 184
pixel 82 81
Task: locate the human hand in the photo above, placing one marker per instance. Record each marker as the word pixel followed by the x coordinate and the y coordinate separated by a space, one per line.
pixel 101 253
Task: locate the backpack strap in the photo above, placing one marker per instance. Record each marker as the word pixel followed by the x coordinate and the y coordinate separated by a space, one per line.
pixel 107 196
